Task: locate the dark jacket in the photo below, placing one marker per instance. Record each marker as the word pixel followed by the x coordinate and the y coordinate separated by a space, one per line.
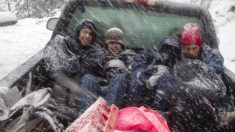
pixel 148 72
pixel 68 55
pixel 166 53
pixel 211 57
pixel 65 54
pixel 58 57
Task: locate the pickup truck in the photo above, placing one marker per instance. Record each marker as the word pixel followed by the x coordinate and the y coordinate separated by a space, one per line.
pixel 145 23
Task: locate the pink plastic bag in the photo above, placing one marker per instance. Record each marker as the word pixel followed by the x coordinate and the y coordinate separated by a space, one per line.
pixel 133 118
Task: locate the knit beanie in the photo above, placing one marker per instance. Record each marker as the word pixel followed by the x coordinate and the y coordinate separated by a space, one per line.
pixel 191 35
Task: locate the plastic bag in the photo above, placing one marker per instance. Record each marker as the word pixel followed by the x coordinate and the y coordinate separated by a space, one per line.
pixel 133 118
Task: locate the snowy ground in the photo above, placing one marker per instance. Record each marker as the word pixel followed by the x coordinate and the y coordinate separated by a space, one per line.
pixel 224 20
pixel 227 44
pixel 19 42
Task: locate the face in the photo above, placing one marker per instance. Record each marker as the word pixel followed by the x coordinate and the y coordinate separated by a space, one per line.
pixel 192 50
pixel 114 48
pixel 85 36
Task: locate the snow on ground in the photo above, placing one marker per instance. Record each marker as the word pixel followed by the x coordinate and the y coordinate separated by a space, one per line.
pixel 221 11
pixel 224 20
pixel 227 44
pixel 19 42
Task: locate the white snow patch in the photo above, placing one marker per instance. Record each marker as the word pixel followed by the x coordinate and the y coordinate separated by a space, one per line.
pixel 3 90
pixel 20 42
pixel 224 20
pixel 221 11
pixel 227 44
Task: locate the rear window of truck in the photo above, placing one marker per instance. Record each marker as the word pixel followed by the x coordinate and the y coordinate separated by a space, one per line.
pixel 142 27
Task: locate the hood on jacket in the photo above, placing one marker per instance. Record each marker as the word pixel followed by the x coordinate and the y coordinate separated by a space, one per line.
pixel 170 49
pixel 170 41
pixel 85 23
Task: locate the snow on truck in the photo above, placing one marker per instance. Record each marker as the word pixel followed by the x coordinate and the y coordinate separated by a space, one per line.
pixel 7 18
pixel 30 98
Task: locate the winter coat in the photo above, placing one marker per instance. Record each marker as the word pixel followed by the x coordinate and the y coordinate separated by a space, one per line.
pixel 197 90
pixel 65 54
pixel 145 58
pixel 148 72
pixel 159 55
pixel 211 57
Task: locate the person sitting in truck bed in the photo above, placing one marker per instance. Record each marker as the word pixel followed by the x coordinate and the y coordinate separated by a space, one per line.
pixel 67 58
pixel 213 96
pixel 115 71
pixel 193 48
pixel 150 70
pixel 77 54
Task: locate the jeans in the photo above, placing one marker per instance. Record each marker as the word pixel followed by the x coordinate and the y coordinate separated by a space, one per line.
pixel 136 86
pixel 113 93
pixel 163 91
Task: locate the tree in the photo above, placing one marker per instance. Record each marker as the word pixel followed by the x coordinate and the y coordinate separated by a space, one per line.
pixel 37 8
pixel 8 2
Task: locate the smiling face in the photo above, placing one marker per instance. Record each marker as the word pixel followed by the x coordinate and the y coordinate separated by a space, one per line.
pixel 192 50
pixel 85 36
pixel 114 47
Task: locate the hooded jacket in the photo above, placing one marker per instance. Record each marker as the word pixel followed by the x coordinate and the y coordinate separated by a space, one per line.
pixel 159 55
pixel 68 55
pixel 211 57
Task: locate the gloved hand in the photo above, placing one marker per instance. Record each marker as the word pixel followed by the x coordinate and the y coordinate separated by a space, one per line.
pixel 158 73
